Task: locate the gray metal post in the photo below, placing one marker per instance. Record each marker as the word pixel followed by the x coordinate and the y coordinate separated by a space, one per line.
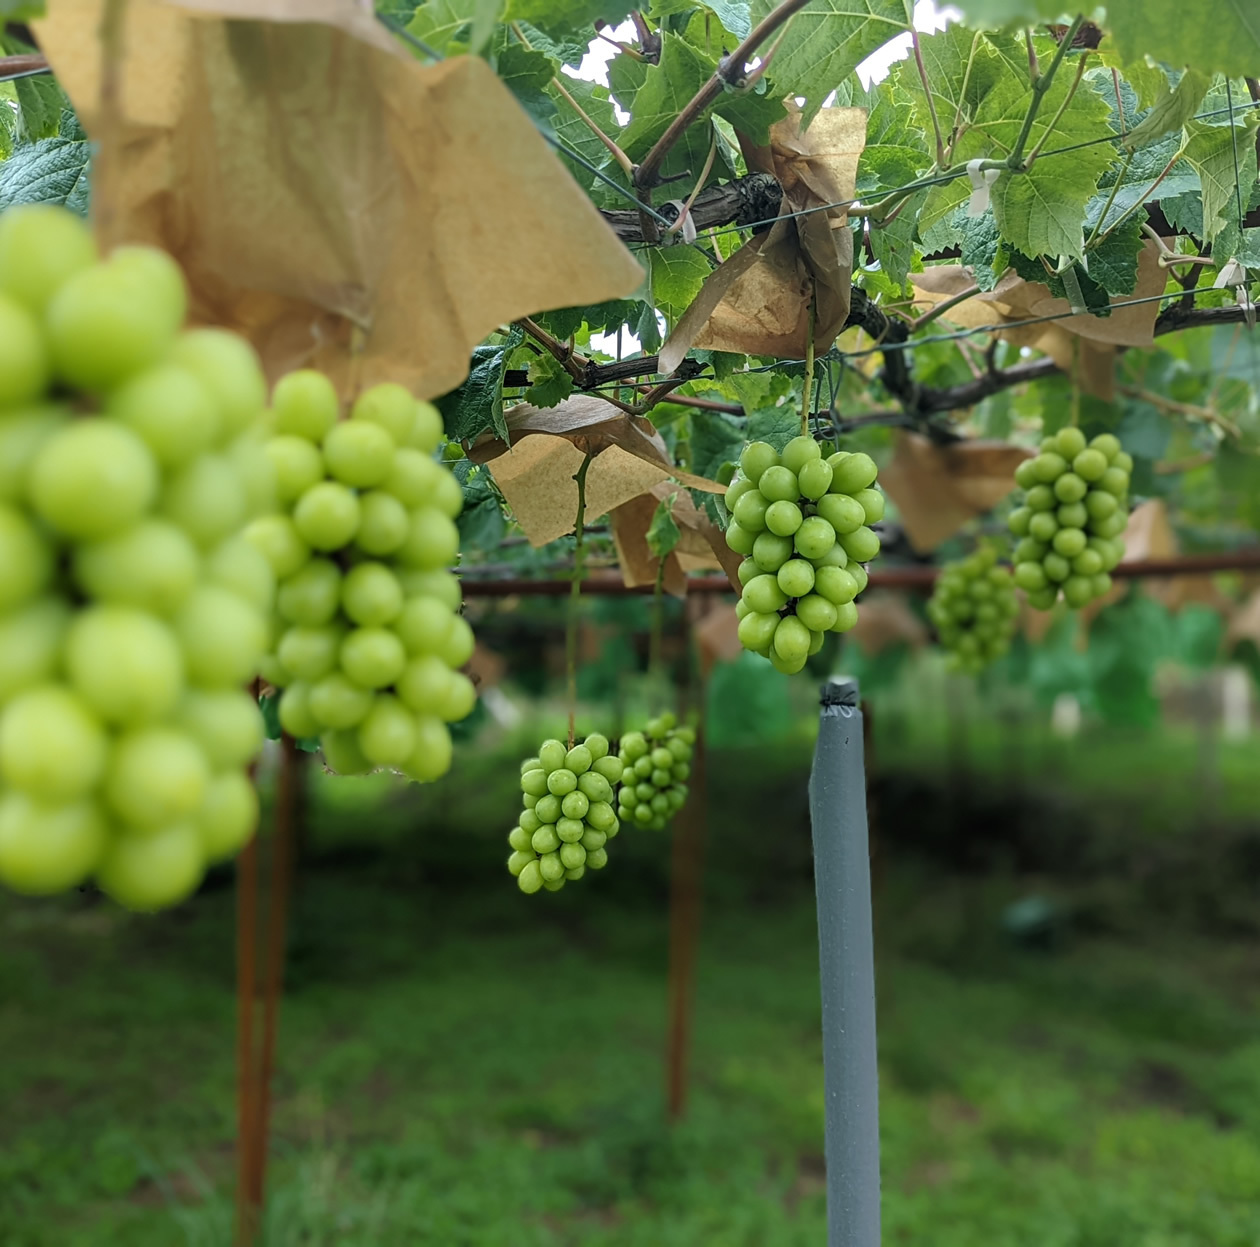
pixel 842 873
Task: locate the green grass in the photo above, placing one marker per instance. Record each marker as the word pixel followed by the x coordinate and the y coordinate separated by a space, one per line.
pixel 471 1070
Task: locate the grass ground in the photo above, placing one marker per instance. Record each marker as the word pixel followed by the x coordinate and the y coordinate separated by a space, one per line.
pixel 465 1069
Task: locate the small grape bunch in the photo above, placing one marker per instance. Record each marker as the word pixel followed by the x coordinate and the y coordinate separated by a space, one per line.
pixel 568 815
pixel 974 610
pixel 132 613
pixel 802 523
pixel 368 640
pixel 657 764
pixel 1074 509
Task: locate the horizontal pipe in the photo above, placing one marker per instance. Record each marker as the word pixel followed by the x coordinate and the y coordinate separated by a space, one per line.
pixel 916 576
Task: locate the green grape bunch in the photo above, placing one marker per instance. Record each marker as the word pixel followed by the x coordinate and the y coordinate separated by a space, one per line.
pixel 974 610
pixel 132 612
pixel 657 765
pixel 568 815
pixel 1074 509
pixel 367 636
pixel 802 523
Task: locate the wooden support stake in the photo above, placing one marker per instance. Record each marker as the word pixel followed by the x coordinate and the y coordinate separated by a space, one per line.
pixel 256 1060
pixel 686 872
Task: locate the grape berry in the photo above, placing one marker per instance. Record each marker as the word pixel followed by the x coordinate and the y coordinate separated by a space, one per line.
pixel 974 610
pixel 1075 507
pixel 568 813
pixel 657 765
pixel 802 523
pixel 368 640
pixel 131 611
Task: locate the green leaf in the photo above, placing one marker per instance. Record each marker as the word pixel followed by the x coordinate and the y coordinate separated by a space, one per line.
pixel 980 243
pixel 663 533
pixel 41 102
pixel 1113 262
pixel 961 68
pixel 677 275
pixel 562 17
pixel 715 439
pixel 888 167
pixel 1197 635
pixel 577 136
pixel 564 51
pixel 454 26
pixel 51 171
pixel 751 113
pixel 1171 111
pixel 550 383
pixel 476 406
pixel 1136 176
pixel 826 41
pixel 997 13
pixel 1039 211
pixel 1215 36
pixel 528 76
pixel 733 15
pixel 1216 152
pixel 21 10
pixel 667 88
pixel 1144 430
pixel 892 243
pixel 776 425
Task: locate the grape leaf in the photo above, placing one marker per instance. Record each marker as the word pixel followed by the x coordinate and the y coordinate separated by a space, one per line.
pixel 564 51
pixel 751 113
pixel 1144 430
pixel 549 382
pixel 1215 151
pixel 452 26
pixel 776 425
pixel 663 533
pixel 715 439
pixel 51 171
pixel 734 15
pixel 41 103
pixel 1039 211
pixel 892 243
pixel 1042 210
pixel 1147 81
pixel 1137 175
pixel 677 275
pixel 666 89
pixel 577 136
pixel 961 68
pixel 1113 262
pixel 477 405
pixel 825 42
pixel 1215 36
pixel 528 75
pixel 562 17
pixel 980 243
pixel 626 76
pixel 1172 110
pixel 1009 12
pixel 1184 211
pixel 888 167
pixel 1094 296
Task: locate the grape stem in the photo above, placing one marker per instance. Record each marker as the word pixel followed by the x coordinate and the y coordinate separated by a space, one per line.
pixel 575 591
pixel 655 637
pixel 112 34
pixel 809 361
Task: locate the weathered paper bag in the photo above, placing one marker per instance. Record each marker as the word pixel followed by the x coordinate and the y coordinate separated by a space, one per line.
pixel 758 301
pixel 340 204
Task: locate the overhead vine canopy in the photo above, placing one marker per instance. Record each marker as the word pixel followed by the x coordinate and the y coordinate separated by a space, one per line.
pixel 1037 215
